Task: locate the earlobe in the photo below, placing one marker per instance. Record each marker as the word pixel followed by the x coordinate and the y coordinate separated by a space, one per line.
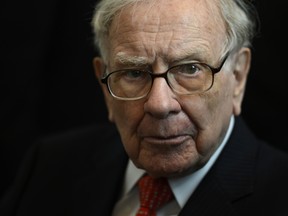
pixel 241 70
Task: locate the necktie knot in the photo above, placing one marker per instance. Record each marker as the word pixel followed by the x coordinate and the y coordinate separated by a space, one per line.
pixel 154 193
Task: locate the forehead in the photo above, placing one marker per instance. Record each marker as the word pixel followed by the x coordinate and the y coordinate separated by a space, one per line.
pixel 160 27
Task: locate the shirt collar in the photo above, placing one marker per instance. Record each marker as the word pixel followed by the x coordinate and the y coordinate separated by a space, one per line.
pixel 184 186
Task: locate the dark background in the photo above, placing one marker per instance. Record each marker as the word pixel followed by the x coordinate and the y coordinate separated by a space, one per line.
pixel 48 85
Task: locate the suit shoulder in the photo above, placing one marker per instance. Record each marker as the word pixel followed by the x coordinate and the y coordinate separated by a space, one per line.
pixel 273 159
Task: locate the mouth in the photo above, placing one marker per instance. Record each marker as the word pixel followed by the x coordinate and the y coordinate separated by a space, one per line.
pixel 170 140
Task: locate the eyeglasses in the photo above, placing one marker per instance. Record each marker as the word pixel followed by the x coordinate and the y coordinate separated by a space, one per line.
pixel 183 79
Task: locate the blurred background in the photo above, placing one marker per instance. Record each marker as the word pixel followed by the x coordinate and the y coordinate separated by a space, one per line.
pixel 48 85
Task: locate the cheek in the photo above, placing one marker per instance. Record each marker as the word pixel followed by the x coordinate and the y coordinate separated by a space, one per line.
pixel 198 108
pixel 127 116
pixel 127 113
pixel 219 99
pixel 210 112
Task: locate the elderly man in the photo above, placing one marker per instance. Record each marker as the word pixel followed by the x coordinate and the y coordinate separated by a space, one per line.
pixel 173 74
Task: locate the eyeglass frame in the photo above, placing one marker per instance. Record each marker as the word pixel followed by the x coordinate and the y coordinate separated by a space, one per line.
pixel 164 75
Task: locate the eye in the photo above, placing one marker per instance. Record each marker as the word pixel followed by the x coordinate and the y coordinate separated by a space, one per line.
pixel 189 69
pixel 132 75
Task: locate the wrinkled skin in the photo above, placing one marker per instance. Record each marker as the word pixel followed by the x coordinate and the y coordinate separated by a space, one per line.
pixel 164 133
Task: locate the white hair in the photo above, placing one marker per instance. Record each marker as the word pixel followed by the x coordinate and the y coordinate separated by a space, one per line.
pixel 240 17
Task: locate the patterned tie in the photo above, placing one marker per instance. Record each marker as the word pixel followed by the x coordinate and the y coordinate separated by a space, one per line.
pixel 154 193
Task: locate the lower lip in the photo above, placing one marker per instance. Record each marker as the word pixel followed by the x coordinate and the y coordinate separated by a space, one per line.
pixel 166 141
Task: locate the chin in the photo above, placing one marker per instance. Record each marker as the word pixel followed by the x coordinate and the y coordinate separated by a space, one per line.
pixel 169 167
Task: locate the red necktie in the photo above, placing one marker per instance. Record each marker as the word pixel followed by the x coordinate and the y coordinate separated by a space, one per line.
pixel 154 193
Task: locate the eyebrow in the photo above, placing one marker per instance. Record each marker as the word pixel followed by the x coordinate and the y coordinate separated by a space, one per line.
pixel 125 59
pixel 197 54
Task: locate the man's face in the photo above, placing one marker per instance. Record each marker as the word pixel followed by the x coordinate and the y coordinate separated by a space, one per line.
pixel 164 133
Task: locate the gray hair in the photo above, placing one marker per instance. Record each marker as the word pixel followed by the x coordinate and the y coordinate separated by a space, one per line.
pixel 240 16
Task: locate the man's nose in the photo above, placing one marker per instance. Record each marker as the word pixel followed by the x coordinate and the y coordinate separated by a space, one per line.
pixel 161 100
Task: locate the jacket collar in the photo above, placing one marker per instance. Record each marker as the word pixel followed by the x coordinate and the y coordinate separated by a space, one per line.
pixel 229 180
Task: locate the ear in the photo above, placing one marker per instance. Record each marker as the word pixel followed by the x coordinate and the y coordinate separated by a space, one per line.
pixel 241 70
pixel 99 67
pixel 99 70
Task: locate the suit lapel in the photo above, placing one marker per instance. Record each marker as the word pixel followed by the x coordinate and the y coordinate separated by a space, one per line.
pixel 229 180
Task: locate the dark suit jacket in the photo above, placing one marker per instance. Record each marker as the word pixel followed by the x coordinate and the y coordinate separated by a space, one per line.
pixel 80 173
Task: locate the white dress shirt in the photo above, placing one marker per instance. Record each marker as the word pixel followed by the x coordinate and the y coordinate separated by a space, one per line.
pixel 182 187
